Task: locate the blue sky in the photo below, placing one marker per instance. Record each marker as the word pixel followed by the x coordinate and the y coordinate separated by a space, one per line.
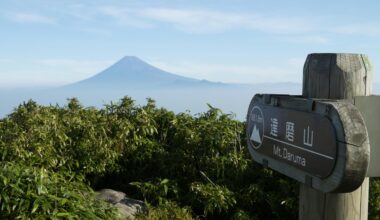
pixel 48 42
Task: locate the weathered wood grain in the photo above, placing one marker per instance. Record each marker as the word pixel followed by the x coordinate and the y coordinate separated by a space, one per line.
pixel 336 76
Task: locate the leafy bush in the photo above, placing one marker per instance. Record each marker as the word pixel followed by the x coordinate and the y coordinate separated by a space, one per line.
pixel 374 198
pixel 71 138
pixel 165 156
pixel 202 162
pixel 158 191
pixel 215 198
pixel 168 210
pixel 28 192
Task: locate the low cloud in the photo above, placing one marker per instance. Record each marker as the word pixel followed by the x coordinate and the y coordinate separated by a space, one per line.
pixel 48 72
pixel 124 16
pixel 205 21
pixel 312 39
pixel 234 73
pixel 366 29
pixel 98 31
pixel 21 17
pixel 193 20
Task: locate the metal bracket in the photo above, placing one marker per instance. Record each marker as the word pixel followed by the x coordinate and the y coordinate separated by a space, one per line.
pixel 309 181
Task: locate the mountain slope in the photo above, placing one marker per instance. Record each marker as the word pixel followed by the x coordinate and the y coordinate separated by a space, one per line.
pixel 134 73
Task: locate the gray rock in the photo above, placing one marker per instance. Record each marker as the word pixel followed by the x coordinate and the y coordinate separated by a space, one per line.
pixel 126 207
pixel 110 195
pixel 138 205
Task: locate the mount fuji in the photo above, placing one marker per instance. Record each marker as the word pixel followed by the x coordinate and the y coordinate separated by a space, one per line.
pixel 131 76
pixel 132 72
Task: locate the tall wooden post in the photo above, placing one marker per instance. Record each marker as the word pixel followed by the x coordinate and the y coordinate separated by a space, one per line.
pixel 335 76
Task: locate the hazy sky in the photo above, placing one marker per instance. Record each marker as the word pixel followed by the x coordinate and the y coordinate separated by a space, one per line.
pixel 48 42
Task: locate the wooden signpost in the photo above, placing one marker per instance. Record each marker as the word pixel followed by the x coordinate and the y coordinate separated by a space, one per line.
pixel 319 138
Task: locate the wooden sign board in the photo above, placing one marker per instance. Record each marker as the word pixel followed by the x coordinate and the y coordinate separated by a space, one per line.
pixel 323 144
pixel 369 107
pixel 303 140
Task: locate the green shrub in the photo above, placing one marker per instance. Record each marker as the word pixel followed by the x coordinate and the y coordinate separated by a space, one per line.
pixel 70 138
pixel 157 192
pixel 374 198
pixel 28 192
pixel 213 197
pixel 165 211
pixel 165 155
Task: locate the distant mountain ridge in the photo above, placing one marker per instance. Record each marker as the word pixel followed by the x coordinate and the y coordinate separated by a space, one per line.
pixel 131 76
pixel 132 72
